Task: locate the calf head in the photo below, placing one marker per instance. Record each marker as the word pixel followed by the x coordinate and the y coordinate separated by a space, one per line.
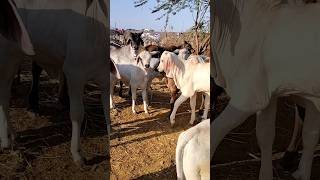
pixel 144 58
pixel 184 53
pixel 134 40
pixel 167 62
pixel 12 27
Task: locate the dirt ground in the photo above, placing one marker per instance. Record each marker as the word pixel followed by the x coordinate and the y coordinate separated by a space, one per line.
pixel 143 147
pixel 240 146
pixel 42 144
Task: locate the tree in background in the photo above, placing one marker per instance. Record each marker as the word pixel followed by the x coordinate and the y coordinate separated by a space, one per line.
pixel 199 8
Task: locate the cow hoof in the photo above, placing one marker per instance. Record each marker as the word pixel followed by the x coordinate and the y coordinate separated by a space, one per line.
pixel 147 113
pixel 80 163
pixel 134 112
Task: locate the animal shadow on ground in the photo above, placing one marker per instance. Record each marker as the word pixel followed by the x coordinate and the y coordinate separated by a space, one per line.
pixel 165 174
pixel 159 123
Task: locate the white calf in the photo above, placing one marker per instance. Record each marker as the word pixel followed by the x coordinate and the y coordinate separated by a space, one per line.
pixel 134 72
pixel 190 77
pixel 193 153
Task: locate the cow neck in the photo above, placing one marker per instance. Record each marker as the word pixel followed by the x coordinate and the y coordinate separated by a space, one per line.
pixel 178 73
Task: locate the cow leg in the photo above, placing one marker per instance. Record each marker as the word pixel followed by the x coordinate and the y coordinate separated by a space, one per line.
pixel 145 101
pixel 230 118
pixel 63 92
pixel 76 87
pixel 8 68
pixel 297 126
pixel 217 91
pixel 173 92
pixel 104 99
pixel 149 91
pixel 34 94
pixel 310 137
pixel 6 130
pixel 193 100
pixel 178 102
pixel 202 103
pixel 104 86
pixel 113 82
pixel 4 116
pixel 265 130
pixel 206 106
pixel 130 92
pixel 120 89
pixel 172 100
pixel 289 161
pixel 134 97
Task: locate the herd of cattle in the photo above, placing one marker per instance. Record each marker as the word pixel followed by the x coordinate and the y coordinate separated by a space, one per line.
pixel 68 41
pixel 138 65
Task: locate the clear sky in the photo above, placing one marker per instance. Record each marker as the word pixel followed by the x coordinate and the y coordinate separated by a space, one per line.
pixel 124 15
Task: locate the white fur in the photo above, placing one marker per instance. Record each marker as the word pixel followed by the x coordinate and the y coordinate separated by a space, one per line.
pixel 190 77
pixel 256 68
pixel 133 72
pixel 193 153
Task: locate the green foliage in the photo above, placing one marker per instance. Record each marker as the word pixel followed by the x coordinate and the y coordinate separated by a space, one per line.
pixel 171 7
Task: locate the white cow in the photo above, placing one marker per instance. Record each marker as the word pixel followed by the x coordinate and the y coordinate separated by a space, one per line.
pixel 14 44
pixel 69 35
pixel 190 77
pixel 193 153
pixel 282 59
pixel 133 71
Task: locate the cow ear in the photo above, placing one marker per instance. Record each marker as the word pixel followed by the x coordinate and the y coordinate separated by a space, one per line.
pixel 12 27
